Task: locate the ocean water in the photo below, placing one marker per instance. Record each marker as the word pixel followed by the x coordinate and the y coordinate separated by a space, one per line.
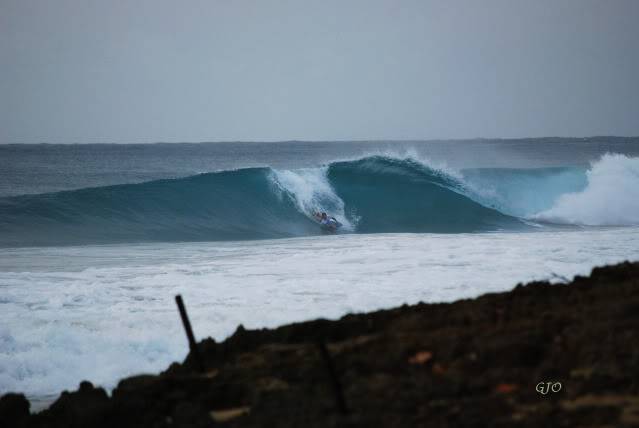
pixel 95 240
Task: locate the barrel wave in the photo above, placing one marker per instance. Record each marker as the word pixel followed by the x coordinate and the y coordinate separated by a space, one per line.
pixel 403 195
pixel 374 194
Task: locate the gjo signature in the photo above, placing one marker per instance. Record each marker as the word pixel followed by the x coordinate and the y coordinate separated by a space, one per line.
pixel 545 387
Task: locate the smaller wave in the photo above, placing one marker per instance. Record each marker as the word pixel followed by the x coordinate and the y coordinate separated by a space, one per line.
pixel 611 196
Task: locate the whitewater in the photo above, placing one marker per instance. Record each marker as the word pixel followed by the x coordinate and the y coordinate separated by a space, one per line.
pixel 88 273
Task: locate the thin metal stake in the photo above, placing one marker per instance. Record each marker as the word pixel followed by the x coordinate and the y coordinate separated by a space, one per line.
pixel 337 386
pixel 189 333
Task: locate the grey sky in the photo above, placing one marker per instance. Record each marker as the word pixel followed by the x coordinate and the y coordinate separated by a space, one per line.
pixel 143 71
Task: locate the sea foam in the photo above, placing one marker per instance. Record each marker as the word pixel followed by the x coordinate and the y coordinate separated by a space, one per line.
pixel 611 197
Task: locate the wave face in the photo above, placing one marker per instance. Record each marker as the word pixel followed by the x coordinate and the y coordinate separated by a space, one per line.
pixel 373 194
pixel 230 205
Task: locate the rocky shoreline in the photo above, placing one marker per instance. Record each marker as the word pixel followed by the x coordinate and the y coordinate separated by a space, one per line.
pixel 539 355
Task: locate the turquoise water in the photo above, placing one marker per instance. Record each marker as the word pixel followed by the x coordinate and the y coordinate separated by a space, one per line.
pixel 95 194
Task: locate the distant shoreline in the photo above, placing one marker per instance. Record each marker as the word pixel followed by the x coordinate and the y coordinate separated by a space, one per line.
pixel 596 138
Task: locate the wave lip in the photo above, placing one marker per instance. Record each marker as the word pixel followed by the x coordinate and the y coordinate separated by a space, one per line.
pixel 610 198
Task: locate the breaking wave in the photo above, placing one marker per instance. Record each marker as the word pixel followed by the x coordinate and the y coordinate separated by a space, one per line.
pixel 610 197
pixel 373 194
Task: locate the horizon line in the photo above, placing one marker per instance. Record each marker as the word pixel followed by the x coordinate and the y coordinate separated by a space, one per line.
pixel 417 140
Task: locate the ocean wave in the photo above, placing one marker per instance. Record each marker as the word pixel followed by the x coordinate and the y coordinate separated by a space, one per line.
pixel 373 194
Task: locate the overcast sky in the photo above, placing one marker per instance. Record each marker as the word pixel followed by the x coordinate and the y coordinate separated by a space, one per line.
pixel 145 71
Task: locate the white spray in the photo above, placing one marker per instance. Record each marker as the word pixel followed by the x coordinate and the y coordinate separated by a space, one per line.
pixel 611 197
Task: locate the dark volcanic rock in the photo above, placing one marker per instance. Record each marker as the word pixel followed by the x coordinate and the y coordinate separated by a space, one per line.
pixel 490 361
pixel 86 407
pixel 14 409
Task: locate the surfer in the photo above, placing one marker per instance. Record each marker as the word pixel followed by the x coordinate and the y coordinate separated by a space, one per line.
pixel 327 223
